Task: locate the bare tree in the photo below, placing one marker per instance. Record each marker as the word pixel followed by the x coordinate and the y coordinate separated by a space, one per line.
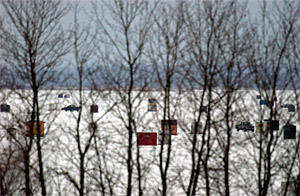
pixel 198 54
pixel 10 174
pixel 231 38
pixel 291 166
pixel 123 39
pixel 213 61
pixel 80 135
pixel 166 50
pixel 200 69
pixel 34 46
pixel 268 63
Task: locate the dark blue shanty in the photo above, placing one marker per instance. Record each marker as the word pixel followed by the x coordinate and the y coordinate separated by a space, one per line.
pixel 289 132
pixel 4 108
pixel 274 124
pixel 203 109
pixel 262 102
pixel 291 108
pixel 94 108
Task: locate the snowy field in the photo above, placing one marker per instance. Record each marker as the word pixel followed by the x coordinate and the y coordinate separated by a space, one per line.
pixel 106 155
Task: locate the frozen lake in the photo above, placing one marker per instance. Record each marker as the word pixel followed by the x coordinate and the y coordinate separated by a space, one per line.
pixel 107 149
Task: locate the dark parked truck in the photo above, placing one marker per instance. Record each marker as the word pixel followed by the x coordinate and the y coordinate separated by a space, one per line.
pixel 71 108
pixel 245 126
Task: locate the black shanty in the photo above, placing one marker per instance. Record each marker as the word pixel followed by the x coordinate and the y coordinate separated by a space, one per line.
pixel 4 108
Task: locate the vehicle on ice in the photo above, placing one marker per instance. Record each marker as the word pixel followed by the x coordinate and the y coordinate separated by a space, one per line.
pixel 245 126
pixel 71 108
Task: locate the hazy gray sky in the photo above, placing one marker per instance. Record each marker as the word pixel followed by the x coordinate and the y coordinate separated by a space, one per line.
pixel 253 6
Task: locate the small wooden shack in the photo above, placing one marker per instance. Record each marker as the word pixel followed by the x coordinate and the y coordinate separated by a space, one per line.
pixel 52 107
pixel 203 109
pixel 262 128
pixel 152 106
pixel 147 138
pixel 165 138
pixel 169 125
pixel 94 108
pixel 198 130
pixel 35 132
pixel 92 127
pixel 4 108
pixel 289 132
pixel 262 102
pixel 291 188
pixel 274 124
pixel 291 108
